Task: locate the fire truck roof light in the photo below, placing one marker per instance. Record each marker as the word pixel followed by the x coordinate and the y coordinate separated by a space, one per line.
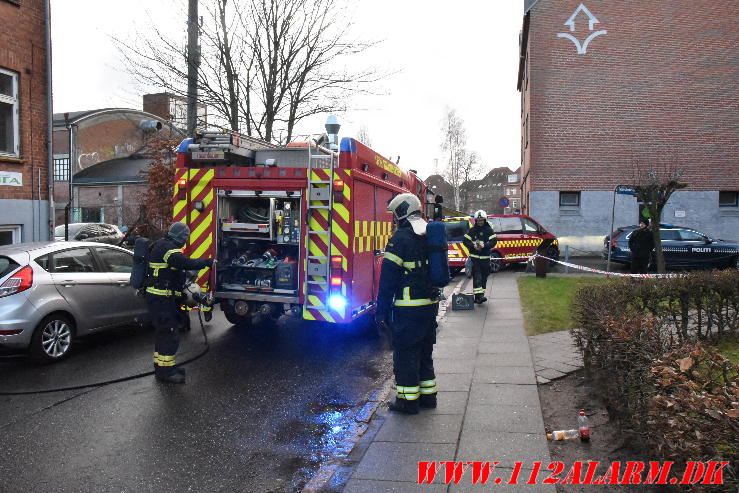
pixel 337 302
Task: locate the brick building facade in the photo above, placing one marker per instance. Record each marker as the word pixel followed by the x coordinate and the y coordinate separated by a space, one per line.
pixel 606 85
pixel 24 121
pixel 109 161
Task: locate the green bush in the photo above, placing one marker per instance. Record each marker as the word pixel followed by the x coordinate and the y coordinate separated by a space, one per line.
pixel 647 346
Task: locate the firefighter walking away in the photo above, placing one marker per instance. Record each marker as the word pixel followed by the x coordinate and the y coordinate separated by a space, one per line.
pixel 479 240
pixel 407 305
pixel 165 282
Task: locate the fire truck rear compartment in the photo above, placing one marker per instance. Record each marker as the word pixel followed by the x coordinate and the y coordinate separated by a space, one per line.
pixel 259 251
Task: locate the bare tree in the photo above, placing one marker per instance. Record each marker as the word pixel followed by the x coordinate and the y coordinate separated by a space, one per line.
pixel 453 144
pixel 654 184
pixel 363 135
pixel 266 65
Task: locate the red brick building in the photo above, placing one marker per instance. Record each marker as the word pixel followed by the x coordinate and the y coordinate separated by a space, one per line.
pixel 607 84
pixel 109 159
pixel 25 125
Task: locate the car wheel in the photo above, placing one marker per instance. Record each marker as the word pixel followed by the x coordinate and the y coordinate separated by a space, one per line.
pixel 553 254
pixel 455 270
pixel 52 340
pixel 496 262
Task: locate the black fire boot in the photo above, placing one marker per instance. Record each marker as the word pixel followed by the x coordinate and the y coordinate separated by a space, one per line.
pixel 404 406
pixel 180 370
pixel 427 401
pixel 479 298
pixel 173 378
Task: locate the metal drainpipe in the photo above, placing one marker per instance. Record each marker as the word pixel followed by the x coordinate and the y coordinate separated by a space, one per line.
pixel 50 122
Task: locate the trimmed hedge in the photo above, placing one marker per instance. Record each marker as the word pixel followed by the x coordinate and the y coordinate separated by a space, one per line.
pixel 647 344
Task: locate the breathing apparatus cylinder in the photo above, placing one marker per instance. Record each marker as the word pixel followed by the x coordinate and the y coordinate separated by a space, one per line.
pixel 438 253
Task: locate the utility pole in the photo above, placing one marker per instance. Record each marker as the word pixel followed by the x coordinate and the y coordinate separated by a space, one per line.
pixel 193 62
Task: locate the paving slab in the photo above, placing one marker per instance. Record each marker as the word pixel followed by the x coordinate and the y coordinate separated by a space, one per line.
pixel 550 374
pixel 491 335
pixel 487 418
pixel 441 428
pixel 449 403
pixel 392 461
pixel 441 351
pixel 504 447
pixel 504 374
pixel 453 365
pixel 513 359
pixel 454 381
pixel 504 394
pixel 504 347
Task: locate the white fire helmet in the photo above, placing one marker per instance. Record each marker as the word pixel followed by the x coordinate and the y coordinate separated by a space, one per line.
pixel 407 206
pixel 480 214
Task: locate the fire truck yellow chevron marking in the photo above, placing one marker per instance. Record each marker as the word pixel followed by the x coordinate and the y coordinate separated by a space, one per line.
pixel 202 183
pixel 339 233
pixel 201 228
pixel 178 207
pixel 342 211
pixel 204 247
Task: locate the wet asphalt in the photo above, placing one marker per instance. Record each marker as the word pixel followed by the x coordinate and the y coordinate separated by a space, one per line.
pixel 259 412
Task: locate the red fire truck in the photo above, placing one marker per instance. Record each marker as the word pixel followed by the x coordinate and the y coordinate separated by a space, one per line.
pixel 297 229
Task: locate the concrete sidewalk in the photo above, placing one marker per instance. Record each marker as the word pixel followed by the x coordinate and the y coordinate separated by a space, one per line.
pixel 488 405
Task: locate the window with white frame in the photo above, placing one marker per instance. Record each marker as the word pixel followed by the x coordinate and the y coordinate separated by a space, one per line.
pixel 9 132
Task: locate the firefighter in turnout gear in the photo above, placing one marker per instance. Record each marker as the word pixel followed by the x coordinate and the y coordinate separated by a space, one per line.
pixel 479 240
pixel 407 305
pixel 165 281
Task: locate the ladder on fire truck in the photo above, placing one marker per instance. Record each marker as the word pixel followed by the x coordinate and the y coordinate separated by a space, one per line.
pixel 320 198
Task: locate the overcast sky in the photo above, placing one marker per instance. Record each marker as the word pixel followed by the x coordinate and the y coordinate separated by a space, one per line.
pixel 461 54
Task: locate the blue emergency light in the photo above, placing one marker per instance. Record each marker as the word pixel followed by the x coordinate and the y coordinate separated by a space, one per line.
pixel 337 302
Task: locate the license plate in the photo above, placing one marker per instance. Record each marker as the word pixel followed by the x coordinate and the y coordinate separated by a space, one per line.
pixel 207 156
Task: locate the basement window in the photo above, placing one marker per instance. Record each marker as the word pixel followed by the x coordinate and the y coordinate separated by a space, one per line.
pixel 569 199
pixel 9 134
pixel 728 199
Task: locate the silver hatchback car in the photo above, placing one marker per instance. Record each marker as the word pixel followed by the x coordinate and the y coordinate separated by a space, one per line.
pixel 52 292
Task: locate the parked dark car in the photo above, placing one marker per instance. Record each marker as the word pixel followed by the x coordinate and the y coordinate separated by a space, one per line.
pixel 683 248
pixel 97 232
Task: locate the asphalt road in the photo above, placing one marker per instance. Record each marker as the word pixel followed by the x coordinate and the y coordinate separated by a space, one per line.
pixel 260 411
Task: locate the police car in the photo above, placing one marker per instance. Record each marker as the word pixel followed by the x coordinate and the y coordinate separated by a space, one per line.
pixel 682 247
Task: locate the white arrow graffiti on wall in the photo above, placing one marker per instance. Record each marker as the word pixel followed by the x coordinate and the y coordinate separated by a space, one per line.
pixel 592 21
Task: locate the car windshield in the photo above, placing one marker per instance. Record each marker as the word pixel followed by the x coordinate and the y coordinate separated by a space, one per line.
pixel 455 230
pixel 7 265
pixel 73 229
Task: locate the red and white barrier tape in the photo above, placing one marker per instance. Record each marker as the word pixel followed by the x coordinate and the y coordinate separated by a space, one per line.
pixel 598 271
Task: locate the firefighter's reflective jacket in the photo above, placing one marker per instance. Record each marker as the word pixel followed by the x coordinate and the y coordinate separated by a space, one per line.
pixel 167 265
pixel 483 234
pixel 404 278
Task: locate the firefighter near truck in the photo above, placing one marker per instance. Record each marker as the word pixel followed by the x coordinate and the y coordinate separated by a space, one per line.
pixel 297 230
